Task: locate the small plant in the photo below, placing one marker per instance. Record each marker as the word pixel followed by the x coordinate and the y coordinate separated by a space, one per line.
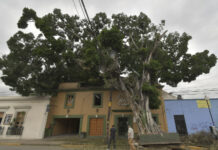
pixel 201 138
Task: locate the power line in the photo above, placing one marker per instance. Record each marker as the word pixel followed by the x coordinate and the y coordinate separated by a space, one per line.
pixel 196 91
pixel 82 9
pixel 87 15
pixel 75 7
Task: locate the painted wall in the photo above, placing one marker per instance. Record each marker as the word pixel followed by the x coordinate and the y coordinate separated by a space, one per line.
pixel 197 119
pixel 83 106
pixel 35 118
pixel 214 110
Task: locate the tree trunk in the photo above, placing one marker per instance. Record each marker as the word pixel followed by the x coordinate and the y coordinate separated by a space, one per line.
pixel 141 111
pixel 143 117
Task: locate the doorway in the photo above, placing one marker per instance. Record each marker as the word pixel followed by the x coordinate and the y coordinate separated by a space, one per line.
pixel 96 126
pixel 180 124
pixel 122 125
pixel 66 126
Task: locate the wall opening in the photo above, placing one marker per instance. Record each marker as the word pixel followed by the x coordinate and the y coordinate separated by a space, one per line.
pixel 66 126
pixel 19 120
pixel 122 126
pixel 1 116
pixel 180 124
pixel 96 126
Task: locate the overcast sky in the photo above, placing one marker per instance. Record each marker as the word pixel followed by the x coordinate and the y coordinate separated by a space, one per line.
pixel 199 18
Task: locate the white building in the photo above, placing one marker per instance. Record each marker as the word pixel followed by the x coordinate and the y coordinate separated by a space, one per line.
pixel 23 117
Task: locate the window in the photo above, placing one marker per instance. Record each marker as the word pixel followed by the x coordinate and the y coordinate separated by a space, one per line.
pixel 97 100
pixel 69 102
pixel 7 119
pixel 20 119
pixel 1 116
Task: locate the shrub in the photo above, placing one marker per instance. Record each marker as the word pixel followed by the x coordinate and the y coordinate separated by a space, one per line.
pixel 201 138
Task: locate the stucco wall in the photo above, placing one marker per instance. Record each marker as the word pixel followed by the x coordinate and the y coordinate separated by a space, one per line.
pixel 83 107
pixel 214 110
pixel 35 118
pixel 197 119
pixel 84 98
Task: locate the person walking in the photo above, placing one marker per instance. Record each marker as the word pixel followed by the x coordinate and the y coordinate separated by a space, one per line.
pixel 131 138
pixel 112 137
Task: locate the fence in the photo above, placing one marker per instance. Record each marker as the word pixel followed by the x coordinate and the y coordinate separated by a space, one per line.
pixel 15 130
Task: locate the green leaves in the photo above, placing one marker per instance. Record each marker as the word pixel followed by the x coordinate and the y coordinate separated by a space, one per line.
pixel 111 39
pixel 154 95
pixel 69 49
pixel 28 15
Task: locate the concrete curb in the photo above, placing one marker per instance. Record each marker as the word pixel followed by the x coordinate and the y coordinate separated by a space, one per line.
pixel 196 148
pixel 18 143
pixel 10 144
pixel 193 147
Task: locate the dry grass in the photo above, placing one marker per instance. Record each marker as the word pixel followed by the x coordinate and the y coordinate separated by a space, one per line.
pixel 202 138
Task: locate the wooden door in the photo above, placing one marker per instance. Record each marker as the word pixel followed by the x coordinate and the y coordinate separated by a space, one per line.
pixel 96 126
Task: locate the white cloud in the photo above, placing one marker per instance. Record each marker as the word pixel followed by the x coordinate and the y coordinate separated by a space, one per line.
pixel 199 18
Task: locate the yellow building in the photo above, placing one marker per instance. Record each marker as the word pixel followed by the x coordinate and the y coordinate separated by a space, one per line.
pixel 84 110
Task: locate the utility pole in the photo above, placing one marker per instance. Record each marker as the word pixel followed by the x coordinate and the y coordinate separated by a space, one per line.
pixel 208 105
pixel 108 116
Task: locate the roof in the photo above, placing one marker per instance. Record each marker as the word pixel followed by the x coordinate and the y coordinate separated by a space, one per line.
pixel 23 98
pixel 167 96
pixel 190 99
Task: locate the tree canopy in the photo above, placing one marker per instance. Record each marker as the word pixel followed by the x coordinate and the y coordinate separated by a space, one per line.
pixel 69 49
pixel 125 52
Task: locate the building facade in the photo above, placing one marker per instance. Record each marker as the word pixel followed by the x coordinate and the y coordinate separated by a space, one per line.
pixel 189 116
pixel 23 117
pixel 83 110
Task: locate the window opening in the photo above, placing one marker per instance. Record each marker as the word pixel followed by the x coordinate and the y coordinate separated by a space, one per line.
pixel 97 99
pixel 1 116
pixel 69 101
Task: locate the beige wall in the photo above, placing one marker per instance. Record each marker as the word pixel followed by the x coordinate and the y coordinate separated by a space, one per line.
pixel 83 105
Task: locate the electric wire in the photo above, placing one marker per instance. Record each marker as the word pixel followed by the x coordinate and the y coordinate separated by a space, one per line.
pixel 87 15
pixel 75 7
pixel 82 9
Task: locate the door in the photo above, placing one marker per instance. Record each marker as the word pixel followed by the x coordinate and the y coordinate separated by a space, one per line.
pixel 180 124
pixel 96 126
pixel 122 126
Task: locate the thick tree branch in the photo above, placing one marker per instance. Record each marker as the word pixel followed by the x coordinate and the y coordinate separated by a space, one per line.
pixel 157 42
pixel 133 42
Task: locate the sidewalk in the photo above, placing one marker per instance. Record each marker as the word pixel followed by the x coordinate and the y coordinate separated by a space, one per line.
pixel 88 144
pixel 41 142
pixel 61 143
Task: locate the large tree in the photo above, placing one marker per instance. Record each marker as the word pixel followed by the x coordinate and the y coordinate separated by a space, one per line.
pixel 128 53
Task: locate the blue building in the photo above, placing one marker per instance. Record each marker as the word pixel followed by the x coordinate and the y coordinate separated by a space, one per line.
pixel 189 116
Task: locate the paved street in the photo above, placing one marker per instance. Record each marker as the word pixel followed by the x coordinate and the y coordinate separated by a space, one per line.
pixel 21 147
pixel 29 147
pixel 33 148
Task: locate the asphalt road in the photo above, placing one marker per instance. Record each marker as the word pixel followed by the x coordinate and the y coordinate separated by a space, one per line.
pixel 33 148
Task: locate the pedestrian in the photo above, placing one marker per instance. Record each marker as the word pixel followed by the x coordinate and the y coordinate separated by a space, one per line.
pixel 131 138
pixel 112 137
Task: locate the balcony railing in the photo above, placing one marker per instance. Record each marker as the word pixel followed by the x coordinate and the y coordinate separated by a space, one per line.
pixel 15 130
pixel 1 130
